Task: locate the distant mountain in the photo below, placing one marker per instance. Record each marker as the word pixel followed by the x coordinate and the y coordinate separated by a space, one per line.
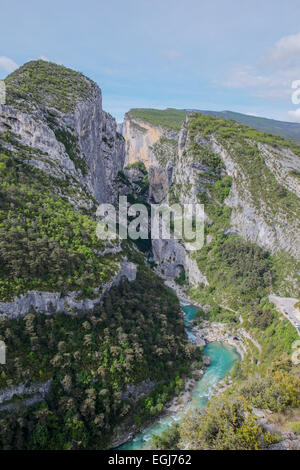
pixel 288 130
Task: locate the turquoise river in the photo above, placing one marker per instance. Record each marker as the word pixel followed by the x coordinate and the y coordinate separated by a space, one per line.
pixel 222 358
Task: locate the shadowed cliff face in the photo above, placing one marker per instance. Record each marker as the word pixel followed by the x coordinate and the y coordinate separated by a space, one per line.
pixel 60 155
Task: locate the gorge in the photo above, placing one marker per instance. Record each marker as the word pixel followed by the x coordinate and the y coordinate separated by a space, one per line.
pixel 95 338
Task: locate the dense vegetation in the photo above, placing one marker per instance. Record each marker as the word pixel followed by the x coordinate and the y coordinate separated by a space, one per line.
pixel 228 422
pixel 44 242
pixel 48 242
pixel 165 150
pixel 287 130
pixel 236 269
pixel 240 277
pixel 242 143
pixel 169 117
pixel 137 334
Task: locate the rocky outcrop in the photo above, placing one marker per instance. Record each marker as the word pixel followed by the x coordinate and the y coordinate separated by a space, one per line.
pixel 23 389
pixel 177 174
pixel 285 166
pixel 37 390
pixel 159 184
pixel 271 231
pixel 46 152
pixel 290 443
pixel 190 177
pixel 52 302
pixel 83 144
pixel 140 390
pixel 219 332
pixel 132 181
pixel 101 146
pixel 171 257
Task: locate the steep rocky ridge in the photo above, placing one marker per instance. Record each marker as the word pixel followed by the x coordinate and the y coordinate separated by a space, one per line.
pixel 83 319
pixel 56 141
pixel 259 174
pixel 53 302
pixel 70 133
pixel 156 147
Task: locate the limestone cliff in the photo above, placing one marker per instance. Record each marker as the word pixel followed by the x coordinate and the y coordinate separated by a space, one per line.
pixel 188 176
pixel 259 214
pixel 156 147
pixel 66 128
pixel 60 154
pixel 258 176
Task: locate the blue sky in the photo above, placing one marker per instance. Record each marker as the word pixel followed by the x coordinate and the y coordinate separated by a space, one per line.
pixel 216 54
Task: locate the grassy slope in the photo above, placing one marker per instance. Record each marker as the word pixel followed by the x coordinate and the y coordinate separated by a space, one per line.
pixel 172 118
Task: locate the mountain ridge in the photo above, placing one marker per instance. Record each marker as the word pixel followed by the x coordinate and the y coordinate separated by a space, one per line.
pixel 174 118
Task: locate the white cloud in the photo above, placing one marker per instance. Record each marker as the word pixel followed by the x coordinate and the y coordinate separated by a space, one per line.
pixel 43 57
pixel 7 64
pixel 295 115
pixel 286 49
pixel 271 77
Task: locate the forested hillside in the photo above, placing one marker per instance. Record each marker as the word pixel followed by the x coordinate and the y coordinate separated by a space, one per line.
pixel 78 327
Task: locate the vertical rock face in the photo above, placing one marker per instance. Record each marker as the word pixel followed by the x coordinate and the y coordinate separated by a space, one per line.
pixel 156 147
pixel 172 257
pixel 68 131
pixel 253 216
pixel 185 165
pixel 271 229
pixel 50 302
pixel 53 120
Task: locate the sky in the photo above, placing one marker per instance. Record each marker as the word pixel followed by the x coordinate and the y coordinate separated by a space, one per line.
pixel 218 55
